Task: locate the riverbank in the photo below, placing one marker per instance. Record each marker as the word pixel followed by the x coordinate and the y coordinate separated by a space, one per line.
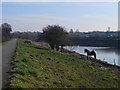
pixel 40 67
pixel 95 62
pixel 106 54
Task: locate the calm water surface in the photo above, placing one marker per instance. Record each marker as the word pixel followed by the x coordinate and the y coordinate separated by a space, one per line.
pixel 103 53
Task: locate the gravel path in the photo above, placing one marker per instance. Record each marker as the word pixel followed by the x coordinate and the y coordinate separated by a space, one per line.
pixel 8 50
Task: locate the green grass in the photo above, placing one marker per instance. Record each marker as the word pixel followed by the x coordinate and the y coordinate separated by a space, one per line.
pixel 40 67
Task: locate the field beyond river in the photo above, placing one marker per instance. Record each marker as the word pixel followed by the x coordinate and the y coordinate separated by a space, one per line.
pixel 35 66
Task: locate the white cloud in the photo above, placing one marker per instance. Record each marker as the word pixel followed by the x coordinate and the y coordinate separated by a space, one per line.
pixel 35 22
pixel 32 22
pixel 45 17
pixel 30 18
pixel 16 19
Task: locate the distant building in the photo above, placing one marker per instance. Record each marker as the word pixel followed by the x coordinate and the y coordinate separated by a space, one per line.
pixel 108 29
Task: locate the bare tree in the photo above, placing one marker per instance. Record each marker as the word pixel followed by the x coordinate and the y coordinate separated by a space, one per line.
pixel 55 35
pixel 6 29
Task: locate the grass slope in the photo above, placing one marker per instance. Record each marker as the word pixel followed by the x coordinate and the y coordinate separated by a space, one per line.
pixel 39 67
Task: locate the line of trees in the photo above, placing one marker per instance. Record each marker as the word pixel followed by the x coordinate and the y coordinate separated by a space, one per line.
pixel 26 35
pixel 56 36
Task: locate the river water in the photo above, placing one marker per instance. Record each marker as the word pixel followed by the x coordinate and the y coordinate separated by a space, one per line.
pixel 110 55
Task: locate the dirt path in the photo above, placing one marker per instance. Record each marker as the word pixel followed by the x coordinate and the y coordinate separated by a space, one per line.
pixel 8 50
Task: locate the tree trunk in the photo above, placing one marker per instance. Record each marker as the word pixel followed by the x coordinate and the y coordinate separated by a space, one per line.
pixel 52 46
pixel 61 48
pixel 57 47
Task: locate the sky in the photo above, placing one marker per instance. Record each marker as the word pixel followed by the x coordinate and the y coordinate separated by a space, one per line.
pixel 60 0
pixel 82 16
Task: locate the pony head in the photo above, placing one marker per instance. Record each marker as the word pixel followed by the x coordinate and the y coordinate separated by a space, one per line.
pixel 85 50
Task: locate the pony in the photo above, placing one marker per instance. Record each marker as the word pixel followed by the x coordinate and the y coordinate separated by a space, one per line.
pixel 90 53
pixel 28 41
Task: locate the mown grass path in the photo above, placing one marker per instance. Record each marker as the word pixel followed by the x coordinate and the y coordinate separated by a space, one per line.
pixel 40 67
pixel 8 50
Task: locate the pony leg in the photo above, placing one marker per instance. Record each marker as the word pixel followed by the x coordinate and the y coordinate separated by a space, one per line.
pixel 87 57
pixel 94 56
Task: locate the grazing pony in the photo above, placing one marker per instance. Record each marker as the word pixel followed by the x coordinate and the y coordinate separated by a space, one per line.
pixel 90 53
pixel 28 41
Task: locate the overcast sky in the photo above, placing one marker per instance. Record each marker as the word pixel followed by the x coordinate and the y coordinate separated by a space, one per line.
pixel 84 16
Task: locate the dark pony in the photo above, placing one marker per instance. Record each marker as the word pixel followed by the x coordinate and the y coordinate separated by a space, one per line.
pixel 28 41
pixel 90 53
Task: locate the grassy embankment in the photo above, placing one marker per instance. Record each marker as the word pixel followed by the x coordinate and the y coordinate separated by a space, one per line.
pixel 40 67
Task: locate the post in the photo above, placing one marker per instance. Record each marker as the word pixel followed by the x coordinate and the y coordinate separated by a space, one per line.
pixel 104 59
pixel 114 62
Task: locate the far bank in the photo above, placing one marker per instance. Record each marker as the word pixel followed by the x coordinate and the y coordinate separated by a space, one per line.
pixel 96 42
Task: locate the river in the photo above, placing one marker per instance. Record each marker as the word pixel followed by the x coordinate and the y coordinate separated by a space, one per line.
pixel 110 55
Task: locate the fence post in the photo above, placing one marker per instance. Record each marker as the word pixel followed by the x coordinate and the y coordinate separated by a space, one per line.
pixel 114 62
pixel 103 59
